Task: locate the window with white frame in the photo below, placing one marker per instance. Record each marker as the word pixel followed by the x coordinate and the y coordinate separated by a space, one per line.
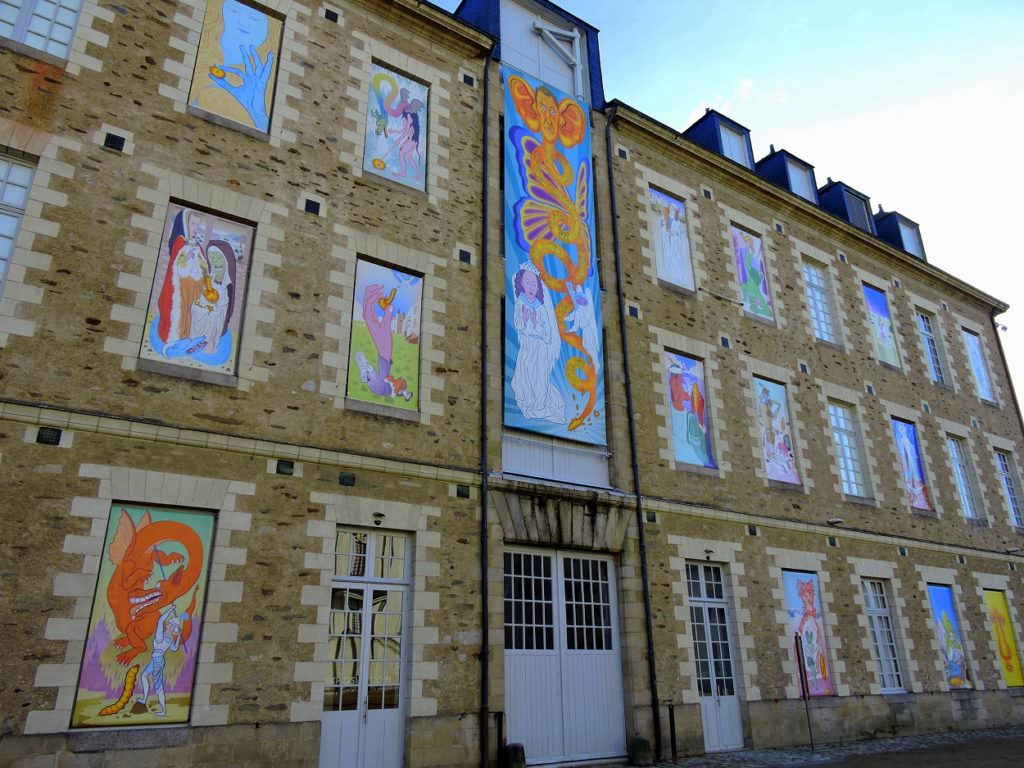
pixel 849 450
pixel 883 638
pixel 933 352
pixel 982 383
pixel 963 474
pixel 801 181
pixel 15 183
pixel 1011 488
pixel 734 146
pixel 911 237
pixel 819 301
pixel 47 25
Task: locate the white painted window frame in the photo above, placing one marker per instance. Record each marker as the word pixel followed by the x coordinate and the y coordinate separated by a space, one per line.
pixel 884 638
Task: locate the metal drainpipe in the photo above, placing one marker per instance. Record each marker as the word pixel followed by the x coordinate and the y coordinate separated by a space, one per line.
pixel 648 621
pixel 1006 367
pixel 485 638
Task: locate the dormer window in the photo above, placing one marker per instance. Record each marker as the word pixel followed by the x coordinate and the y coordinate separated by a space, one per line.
pixel 860 216
pixel 843 201
pixel 791 173
pixel 911 237
pixel 900 232
pixel 801 180
pixel 734 145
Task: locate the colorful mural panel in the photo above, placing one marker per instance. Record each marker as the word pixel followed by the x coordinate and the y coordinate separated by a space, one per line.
pixel 905 435
pixel 671 239
pixel 947 632
pixel 1004 636
pixel 384 351
pixel 752 273
pixel 396 128
pixel 882 333
pixel 776 431
pixel 143 642
pixel 554 361
pixel 803 607
pixel 236 65
pixel 691 434
pixel 195 307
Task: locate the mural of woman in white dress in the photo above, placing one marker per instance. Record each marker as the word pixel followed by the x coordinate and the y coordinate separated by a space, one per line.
pixel 539 348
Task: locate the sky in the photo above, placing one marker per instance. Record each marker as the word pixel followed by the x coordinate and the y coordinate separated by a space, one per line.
pixel 917 104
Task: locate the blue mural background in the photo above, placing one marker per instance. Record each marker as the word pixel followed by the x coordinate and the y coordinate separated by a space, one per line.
pixel 554 361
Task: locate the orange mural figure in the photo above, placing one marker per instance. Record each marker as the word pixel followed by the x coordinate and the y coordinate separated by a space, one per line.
pixel 552 219
pixel 135 552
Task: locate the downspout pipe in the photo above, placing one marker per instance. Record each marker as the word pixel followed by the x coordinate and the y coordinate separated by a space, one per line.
pixel 634 459
pixel 485 637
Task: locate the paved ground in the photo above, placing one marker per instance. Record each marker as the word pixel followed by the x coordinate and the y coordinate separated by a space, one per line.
pixel 998 747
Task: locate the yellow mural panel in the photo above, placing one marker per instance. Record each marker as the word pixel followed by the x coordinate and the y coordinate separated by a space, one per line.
pixel 1002 632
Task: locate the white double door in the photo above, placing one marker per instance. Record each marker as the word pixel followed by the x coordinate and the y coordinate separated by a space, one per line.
pixel 563 671
pixel 713 655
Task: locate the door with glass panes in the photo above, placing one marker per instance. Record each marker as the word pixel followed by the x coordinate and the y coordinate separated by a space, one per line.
pixel 364 693
pixel 713 657
pixel 563 673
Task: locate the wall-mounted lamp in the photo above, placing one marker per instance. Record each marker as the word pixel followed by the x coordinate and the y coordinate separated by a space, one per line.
pixel 378 518
pixel 708 553
pixel 835 521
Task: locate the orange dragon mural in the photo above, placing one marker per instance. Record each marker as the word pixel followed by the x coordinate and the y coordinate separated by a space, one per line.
pixel 139 661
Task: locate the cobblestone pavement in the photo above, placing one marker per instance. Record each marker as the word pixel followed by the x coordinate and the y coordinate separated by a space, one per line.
pixel 973 749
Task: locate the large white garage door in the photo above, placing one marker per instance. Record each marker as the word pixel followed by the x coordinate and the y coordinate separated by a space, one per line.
pixel 563 673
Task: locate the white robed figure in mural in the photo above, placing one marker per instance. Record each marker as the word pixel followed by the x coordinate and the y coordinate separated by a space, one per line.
pixel 672 248
pixel 210 309
pixel 539 349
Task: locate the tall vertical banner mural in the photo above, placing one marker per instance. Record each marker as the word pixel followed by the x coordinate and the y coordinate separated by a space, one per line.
pixel 1003 635
pixel 195 307
pixel 914 486
pixel 554 361
pixel 803 607
pixel 776 431
pixel 143 642
pixel 882 333
pixel 236 65
pixel 384 349
pixel 687 394
pixel 396 128
pixel 671 240
pixel 947 632
pixel 752 273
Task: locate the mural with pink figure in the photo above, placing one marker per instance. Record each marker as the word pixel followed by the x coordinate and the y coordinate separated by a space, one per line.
pixel 803 607
pixel 396 128
pixel 384 349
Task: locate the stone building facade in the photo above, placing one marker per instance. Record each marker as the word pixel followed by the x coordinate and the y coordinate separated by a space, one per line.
pixel 264 501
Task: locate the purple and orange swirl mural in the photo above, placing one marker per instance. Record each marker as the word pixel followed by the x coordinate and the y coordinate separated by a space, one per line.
pixel 554 361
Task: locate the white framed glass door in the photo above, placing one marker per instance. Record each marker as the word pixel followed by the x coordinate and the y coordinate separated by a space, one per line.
pixel 713 657
pixel 364 693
